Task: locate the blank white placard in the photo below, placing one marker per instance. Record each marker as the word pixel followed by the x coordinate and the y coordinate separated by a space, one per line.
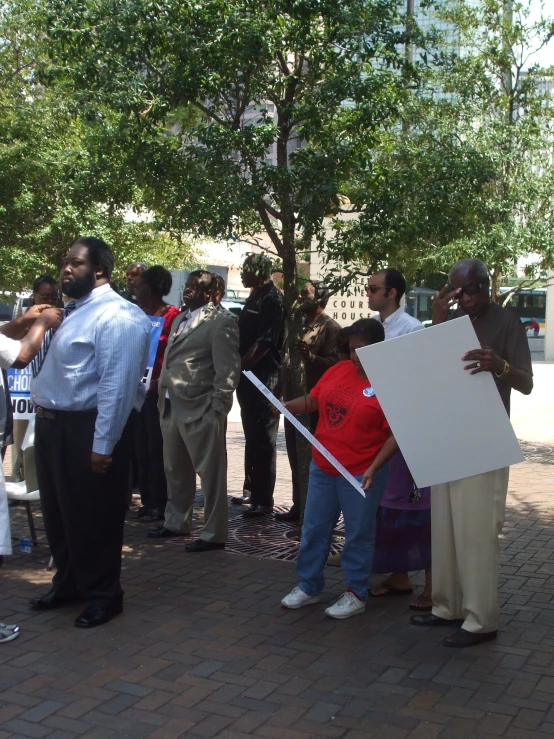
pixel 448 423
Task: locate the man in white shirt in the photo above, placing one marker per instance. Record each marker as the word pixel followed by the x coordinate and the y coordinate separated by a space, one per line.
pixel 84 392
pixel 384 291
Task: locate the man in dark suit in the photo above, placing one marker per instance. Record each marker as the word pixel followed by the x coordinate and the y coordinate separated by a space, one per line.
pixel 262 326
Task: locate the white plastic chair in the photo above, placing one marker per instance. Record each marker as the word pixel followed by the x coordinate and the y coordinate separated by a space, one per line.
pixel 18 490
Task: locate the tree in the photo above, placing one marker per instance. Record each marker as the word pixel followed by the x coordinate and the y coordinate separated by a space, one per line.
pixel 54 185
pixel 288 99
pixel 511 112
pixel 471 172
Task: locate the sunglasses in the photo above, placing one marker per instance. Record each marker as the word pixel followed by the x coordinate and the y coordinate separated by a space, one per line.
pixel 374 288
pixel 472 289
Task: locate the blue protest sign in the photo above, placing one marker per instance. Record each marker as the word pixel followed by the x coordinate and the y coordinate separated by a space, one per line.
pixel 19 380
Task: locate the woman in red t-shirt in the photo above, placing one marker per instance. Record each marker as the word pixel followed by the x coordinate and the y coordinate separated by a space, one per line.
pixel 354 429
pixel 152 286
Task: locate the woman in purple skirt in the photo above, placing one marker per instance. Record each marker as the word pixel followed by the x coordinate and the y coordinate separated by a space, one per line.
pixel 403 539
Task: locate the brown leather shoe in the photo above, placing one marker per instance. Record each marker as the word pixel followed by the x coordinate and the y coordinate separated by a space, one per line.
pixel 289 516
pixel 463 638
pixel 200 545
pixel 430 620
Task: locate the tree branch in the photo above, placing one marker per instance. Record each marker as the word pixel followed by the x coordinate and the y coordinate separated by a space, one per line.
pixel 211 114
pixel 271 232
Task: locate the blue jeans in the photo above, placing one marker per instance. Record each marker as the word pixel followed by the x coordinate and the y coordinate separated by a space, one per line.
pixel 328 495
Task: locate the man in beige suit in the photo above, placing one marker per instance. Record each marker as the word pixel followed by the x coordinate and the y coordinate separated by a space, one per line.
pixel 200 372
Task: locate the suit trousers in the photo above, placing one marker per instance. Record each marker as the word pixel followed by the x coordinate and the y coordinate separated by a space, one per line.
pixel 260 437
pixel 466 520
pixel 290 441
pixel 150 455
pixel 190 449
pixel 83 511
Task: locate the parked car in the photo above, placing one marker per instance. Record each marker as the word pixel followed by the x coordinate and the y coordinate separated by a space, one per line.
pixel 236 296
pixel 232 306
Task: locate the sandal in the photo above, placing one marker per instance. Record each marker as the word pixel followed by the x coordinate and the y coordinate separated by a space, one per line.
pixel 421 603
pixel 152 517
pixel 142 511
pixel 389 590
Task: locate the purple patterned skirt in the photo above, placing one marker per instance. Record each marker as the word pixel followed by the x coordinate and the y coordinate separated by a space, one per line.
pixel 403 539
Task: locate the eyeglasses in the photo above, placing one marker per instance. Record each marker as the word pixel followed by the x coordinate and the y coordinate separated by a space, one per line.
pixel 472 289
pixel 373 288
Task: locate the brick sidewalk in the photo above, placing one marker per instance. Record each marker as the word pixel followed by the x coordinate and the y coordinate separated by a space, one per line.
pixel 204 650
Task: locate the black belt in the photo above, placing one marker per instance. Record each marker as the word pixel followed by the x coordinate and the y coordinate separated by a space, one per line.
pixel 47 413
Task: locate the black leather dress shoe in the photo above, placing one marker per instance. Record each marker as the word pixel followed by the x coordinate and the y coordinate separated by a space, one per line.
pixel 160 532
pixel 463 638
pixel 430 620
pixel 49 601
pixel 239 500
pixel 258 510
pixel 200 545
pixel 290 515
pixel 96 615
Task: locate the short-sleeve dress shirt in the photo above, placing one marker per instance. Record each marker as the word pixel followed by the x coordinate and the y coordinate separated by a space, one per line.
pixel 400 323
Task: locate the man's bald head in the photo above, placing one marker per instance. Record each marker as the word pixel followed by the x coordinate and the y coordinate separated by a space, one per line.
pixel 471 278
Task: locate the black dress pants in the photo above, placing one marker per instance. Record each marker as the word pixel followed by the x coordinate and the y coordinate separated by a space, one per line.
pixel 83 511
pixel 260 437
pixel 150 455
pixel 290 440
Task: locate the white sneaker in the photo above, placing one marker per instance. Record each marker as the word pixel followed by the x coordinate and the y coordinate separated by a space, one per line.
pixel 298 598
pixel 346 606
pixel 7 633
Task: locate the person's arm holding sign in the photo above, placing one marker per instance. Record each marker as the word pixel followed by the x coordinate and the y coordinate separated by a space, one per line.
pixel 486 360
pixel 388 450
pixel 470 290
pixel 36 321
pixel 309 404
pixel 303 404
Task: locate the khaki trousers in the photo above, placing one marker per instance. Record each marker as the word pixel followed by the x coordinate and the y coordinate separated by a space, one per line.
pixel 191 448
pixel 466 519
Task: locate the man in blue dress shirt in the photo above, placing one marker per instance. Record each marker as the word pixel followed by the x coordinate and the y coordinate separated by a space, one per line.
pixel 84 392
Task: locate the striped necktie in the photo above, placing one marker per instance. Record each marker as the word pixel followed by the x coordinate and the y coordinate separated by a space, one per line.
pixel 38 361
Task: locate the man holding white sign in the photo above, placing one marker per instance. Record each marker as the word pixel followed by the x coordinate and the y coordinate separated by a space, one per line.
pixel 468 514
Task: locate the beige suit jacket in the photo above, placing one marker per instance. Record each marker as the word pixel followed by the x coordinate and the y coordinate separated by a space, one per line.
pixel 201 368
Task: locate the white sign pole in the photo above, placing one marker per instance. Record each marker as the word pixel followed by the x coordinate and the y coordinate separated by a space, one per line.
pixel 304 431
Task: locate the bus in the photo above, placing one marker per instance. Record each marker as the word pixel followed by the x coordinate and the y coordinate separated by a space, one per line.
pixel 530 305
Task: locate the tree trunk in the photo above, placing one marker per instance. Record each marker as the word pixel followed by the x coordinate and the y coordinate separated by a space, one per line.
pixel 298 373
pixel 495 278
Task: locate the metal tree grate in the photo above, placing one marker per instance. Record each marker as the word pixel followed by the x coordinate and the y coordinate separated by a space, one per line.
pixel 264 537
pixel 541 453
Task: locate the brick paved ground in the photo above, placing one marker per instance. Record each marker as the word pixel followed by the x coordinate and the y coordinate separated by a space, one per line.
pixel 204 650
